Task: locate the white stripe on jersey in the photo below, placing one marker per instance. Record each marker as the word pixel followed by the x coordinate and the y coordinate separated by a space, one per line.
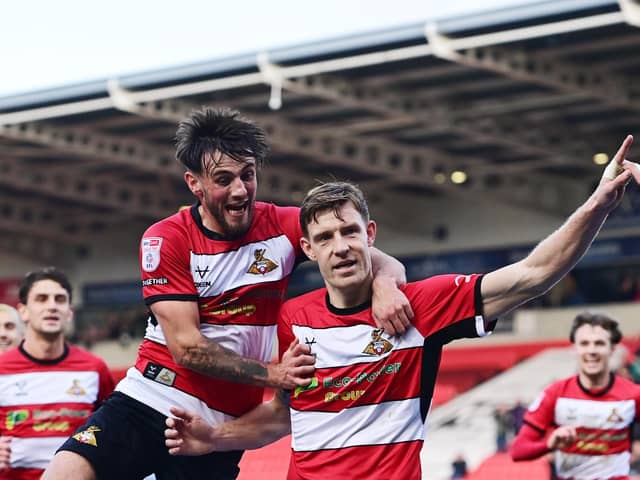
pixel 251 341
pixel 379 424
pixel 161 398
pixel 340 346
pixel 594 413
pixel 589 467
pixel 36 388
pixel 34 452
pixel 219 273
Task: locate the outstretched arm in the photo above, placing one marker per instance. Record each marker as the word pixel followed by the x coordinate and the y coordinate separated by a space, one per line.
pixel 555 256
pixel 189 348
pixel 189 434
pixel 390 307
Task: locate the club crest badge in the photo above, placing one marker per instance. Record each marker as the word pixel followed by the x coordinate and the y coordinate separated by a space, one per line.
pixel 76 389
pixel 615 417
pixel 378 345
pixel 87 436
pixel 261 265
pixel 150 253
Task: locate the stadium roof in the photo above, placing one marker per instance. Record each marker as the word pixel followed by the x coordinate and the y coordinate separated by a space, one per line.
pixel 518 99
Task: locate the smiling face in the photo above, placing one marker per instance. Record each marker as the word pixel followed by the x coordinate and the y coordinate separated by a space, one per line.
pixel 9 330
pixel 47 311
pixel 594 349
pixel 227 191
pixel 341 246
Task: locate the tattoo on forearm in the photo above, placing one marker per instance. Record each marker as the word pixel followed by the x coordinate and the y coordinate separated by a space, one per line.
pixel 214 360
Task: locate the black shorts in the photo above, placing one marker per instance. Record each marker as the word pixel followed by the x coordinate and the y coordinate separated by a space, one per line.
pixel 124 440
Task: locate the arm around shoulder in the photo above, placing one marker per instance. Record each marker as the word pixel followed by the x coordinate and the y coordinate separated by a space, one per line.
pixel 180 324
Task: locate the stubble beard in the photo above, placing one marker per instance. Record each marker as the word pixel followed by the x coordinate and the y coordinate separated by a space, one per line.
pixel 229 231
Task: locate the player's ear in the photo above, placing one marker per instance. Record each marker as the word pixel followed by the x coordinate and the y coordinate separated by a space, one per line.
pixel 193 182
pixel 371 233
pixel 306 248
pixel 22 310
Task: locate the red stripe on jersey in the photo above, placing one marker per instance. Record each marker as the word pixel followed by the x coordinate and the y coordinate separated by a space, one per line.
pixel 594 441
pixel 362 384
pixel 379 462
pixel 227 397
pixel 249 311
pixel 46 420
pixel 21 474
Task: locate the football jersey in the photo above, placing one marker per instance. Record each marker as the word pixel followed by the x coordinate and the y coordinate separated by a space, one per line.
pixel 363 414
pixel 603 421
pixel 42 402
pixel 239 286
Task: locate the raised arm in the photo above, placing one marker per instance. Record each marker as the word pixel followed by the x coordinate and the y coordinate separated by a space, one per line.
pixel 555 256
pixel 189 348
pixel 390 307
pixel 189 434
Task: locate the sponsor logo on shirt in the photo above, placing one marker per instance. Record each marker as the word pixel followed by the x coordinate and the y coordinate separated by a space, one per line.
pixel 377 345
pixel 61 426
pixel 14 417
pixel 262 265
pixel 202 271
pixel 21 387
pixel 87 436
pixel 311 386
pixel 247 310
pixel 160 374
pixel 460 279
pixel 155 281
pixel 151 253
pixel 365 376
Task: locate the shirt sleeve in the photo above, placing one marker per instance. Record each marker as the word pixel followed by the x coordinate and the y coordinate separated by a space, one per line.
pixel 449 304
pixel 541 412
pixel 285 332
pixel 528 444
pixel 106 385
pixel 165 264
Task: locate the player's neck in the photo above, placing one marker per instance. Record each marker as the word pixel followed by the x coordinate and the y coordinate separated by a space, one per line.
pixel 208 220
pixel 43 347
pixel 349 297
pixel 595 382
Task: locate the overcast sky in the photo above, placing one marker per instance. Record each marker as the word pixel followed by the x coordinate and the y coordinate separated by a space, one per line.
pixel 46 44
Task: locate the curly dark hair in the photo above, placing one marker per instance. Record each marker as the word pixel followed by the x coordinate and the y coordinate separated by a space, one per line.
pixel 222 130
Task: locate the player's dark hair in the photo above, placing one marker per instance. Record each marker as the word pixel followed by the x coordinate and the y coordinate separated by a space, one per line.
pixel 596 320
pixel 331 196
pixel 210 131
pixel 46 273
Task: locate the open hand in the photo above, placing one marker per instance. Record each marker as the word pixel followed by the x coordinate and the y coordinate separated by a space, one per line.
pixel 188 434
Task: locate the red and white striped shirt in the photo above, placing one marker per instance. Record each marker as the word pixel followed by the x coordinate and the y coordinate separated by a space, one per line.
pixel 363 414
pixel 43 402
pixel 239 286
pixel 603 421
